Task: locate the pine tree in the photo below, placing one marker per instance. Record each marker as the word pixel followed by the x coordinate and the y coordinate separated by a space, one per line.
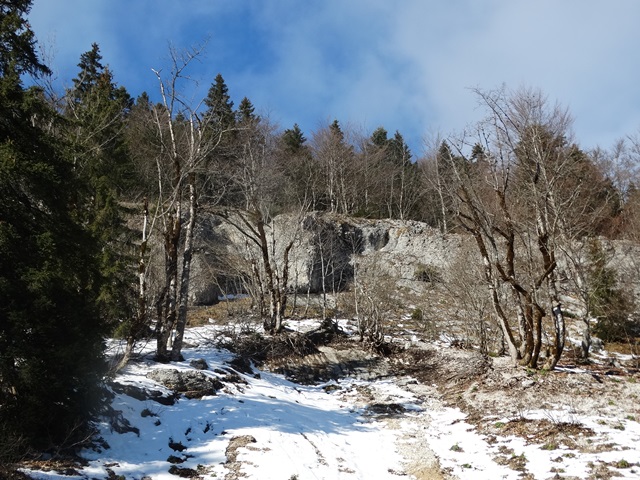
pixel 609 303
pixel 50 333
pixel 302 173
pixel 379 138
pixel 17 41
pixel 398 176
pixel 96 111
pixel 219 104
pixel 477 153
pixel 336 131
pixel 336 158
pixel 246 112
pixel 220 120
pixel 293 139
pixel 399 151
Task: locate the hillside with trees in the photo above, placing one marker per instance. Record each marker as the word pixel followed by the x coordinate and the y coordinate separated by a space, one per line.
pixel 106 201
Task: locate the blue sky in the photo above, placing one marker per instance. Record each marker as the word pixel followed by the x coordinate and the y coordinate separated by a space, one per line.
pixel 407 65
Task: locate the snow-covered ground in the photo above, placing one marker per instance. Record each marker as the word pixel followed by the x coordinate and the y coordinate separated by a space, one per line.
pixel 265 427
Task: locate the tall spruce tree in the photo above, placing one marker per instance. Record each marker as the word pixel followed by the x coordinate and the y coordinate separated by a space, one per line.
pixel 398 174
pixel 246 112
pixel 219 104
pixel 221 121
pixel 399 150
pixel 50 334
pixel 96 111
pixel 380 138
pixel 301 171
pixel 293 139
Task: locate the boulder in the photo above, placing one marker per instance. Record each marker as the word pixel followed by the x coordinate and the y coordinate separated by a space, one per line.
pixel 143 394
pixel 199 364
pixel 190 383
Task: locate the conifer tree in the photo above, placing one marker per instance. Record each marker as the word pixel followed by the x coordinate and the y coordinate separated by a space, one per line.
pixel 398 175
pixel 379 138
pixel 221 120
pixel 50 333
pixel 336 130
pixel 96 111
pixel 336 158
pixel 301 171
pixel 400 152
pixel 293 139
pixel 246 111
pixel 606 301
pixel 219 104
pixel 404 186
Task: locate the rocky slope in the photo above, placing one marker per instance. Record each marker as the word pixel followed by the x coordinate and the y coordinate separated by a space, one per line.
pixel 327 252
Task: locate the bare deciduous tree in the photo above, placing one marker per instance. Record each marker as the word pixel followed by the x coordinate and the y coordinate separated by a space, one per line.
pixel 184 142
pixel 514 198
pixel 259 181
pixel 335 156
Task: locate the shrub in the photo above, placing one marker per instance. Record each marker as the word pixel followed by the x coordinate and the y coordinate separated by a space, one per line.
pixel 611 305
pixel 427 273
pixel 417 315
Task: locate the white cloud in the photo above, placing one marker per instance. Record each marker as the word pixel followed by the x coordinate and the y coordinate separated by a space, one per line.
pixel 405 65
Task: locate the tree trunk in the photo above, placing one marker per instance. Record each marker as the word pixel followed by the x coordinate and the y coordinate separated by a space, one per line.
pixel 495 300
pixel 140 321
pixel 585 344
pixel 538 313
pixel 187 255
pixel 269 323
pixel 559 340
pixel 166 322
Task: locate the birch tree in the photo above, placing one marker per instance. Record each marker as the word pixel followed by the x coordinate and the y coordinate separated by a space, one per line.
pixel 185 142
pixel 336 159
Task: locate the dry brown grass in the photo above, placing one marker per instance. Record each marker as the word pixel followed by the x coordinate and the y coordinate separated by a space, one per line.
pixel 631 347
pixel 551 435
pixel 220 313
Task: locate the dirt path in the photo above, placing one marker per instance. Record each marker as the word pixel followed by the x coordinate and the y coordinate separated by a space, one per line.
pixel 421 461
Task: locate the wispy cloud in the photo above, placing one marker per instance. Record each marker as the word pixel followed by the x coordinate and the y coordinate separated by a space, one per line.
pixel 405 66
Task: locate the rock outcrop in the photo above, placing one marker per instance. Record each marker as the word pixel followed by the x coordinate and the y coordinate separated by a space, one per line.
pixel 327 250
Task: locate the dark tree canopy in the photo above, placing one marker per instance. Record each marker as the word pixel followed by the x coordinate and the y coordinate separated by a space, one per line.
pixel 400 153
pixel 379 137
pixel 96 113
pixel 17 40
pixel 246 111
pixel 219 104
pixel 50 332
pixel 293 139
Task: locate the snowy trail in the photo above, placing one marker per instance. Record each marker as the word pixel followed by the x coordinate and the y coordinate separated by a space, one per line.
pixel 265 427
pixel 298 431
pixel 295 431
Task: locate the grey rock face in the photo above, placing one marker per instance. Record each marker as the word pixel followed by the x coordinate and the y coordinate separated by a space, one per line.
pixel 389 248
pixel 326 252
pixel 203 286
